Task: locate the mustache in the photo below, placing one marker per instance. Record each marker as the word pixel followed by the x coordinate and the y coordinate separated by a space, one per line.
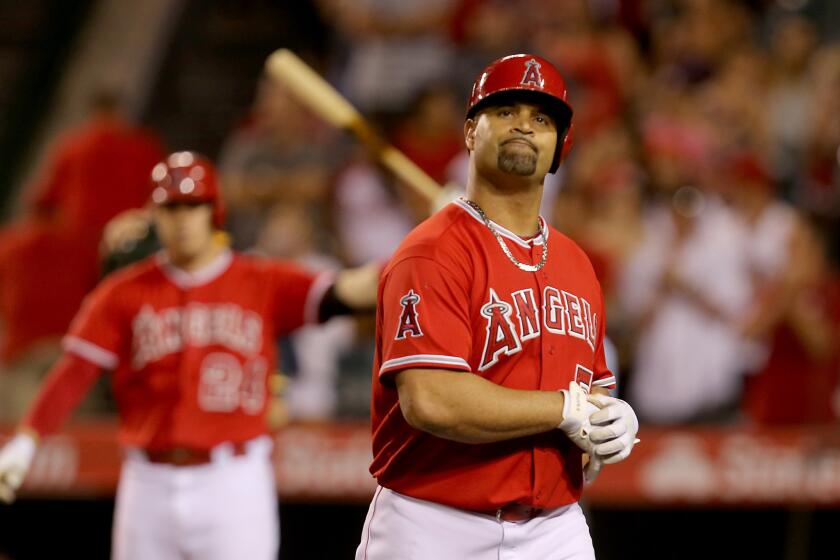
pixel 520 138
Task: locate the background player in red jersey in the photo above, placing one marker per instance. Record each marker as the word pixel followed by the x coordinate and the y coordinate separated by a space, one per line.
pixel 490 329
pixel 189 336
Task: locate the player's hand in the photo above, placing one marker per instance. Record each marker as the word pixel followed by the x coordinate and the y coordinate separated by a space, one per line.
pixel 124 231
pixel 614 429
pixel 15 459
pixel 576 412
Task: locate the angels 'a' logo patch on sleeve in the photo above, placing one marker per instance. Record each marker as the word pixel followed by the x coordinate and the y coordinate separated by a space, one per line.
pixel 409 322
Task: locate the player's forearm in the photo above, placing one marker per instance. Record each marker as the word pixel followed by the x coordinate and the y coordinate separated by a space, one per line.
pixel 768 310
pixel 700 300
pixel 813 330
pixel 67 383
pixel 467 408
pixel 600 391
pixel 356 288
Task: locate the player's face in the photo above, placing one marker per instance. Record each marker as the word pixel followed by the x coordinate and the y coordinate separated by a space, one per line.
pixel 518 138
pixel 185 230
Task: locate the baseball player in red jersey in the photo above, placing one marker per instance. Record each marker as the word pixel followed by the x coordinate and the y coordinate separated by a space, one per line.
pixel 490 330
pixel 189 336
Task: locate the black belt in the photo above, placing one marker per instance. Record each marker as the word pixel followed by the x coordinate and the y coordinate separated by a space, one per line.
pixel 514 512
pixel 188 457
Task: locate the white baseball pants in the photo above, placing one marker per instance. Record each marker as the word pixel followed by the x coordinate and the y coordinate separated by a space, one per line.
pixel 223 510
pixel 399 527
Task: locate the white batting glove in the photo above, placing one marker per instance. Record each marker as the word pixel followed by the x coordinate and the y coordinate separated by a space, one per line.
pixel 592 469
pixel 15 459
pixel 614 429
pixel 576 412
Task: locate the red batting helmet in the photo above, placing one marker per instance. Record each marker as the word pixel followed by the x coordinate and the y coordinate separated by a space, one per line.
pixel 187 177
pixel 527 73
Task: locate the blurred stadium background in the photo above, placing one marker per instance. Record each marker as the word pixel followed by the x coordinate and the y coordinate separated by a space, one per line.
pixel 704 184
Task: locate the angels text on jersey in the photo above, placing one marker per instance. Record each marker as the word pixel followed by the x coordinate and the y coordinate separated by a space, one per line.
pixel 167 331
pixel 226 382
pixel 511 323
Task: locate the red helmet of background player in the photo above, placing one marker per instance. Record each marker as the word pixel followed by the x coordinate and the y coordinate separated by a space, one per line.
pixel 187 177
pixel 527 73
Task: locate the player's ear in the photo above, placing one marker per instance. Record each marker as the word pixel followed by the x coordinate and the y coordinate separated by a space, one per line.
pixel 469 132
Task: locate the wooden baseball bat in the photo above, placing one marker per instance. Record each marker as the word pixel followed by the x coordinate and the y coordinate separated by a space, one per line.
pixel 315 92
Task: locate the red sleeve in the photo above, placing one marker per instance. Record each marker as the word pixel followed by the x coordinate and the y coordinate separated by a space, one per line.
pixel 297 295
pixel 68 381
pixel 424 318
pixel 603 376
pixel 98 333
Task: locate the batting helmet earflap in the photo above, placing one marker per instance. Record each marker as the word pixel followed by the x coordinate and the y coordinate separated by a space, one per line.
pixel 533 74
pixel 187 177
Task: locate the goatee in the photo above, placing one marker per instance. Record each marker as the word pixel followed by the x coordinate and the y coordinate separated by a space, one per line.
pixel 517 162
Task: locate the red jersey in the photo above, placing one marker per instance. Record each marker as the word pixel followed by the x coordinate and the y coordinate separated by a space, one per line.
pixel 94 173
pixel 451 299
pixel 38 298
pixel 191 352
pixel 793 387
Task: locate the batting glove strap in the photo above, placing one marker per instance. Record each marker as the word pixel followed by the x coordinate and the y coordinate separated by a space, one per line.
pixel 574 408
pixel 576 412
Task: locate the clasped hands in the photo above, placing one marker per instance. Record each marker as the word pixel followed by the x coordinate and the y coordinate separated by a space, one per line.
pixel 603 427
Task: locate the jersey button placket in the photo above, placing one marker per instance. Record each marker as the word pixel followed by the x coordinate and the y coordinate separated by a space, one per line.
pixel 549 374
pixel 545 336
pixel 185 383
pixel 547 342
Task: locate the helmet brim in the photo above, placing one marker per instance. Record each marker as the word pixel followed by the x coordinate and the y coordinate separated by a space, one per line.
pixel 558 110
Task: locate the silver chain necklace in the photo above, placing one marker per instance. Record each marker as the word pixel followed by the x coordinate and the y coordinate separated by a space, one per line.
pixel 521 266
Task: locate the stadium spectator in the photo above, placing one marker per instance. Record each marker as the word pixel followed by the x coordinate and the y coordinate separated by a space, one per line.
pixel 426 133
pixel 390 49
pixel 817 186
pixel 49 257
pixel 94 172
pixel 485 30
pixel 798 383
pixel 789 93
pixel 281 153
pixel 684 287
pixel 590 56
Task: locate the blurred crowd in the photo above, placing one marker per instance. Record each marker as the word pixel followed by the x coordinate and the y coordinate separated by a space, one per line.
pixel 704 183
